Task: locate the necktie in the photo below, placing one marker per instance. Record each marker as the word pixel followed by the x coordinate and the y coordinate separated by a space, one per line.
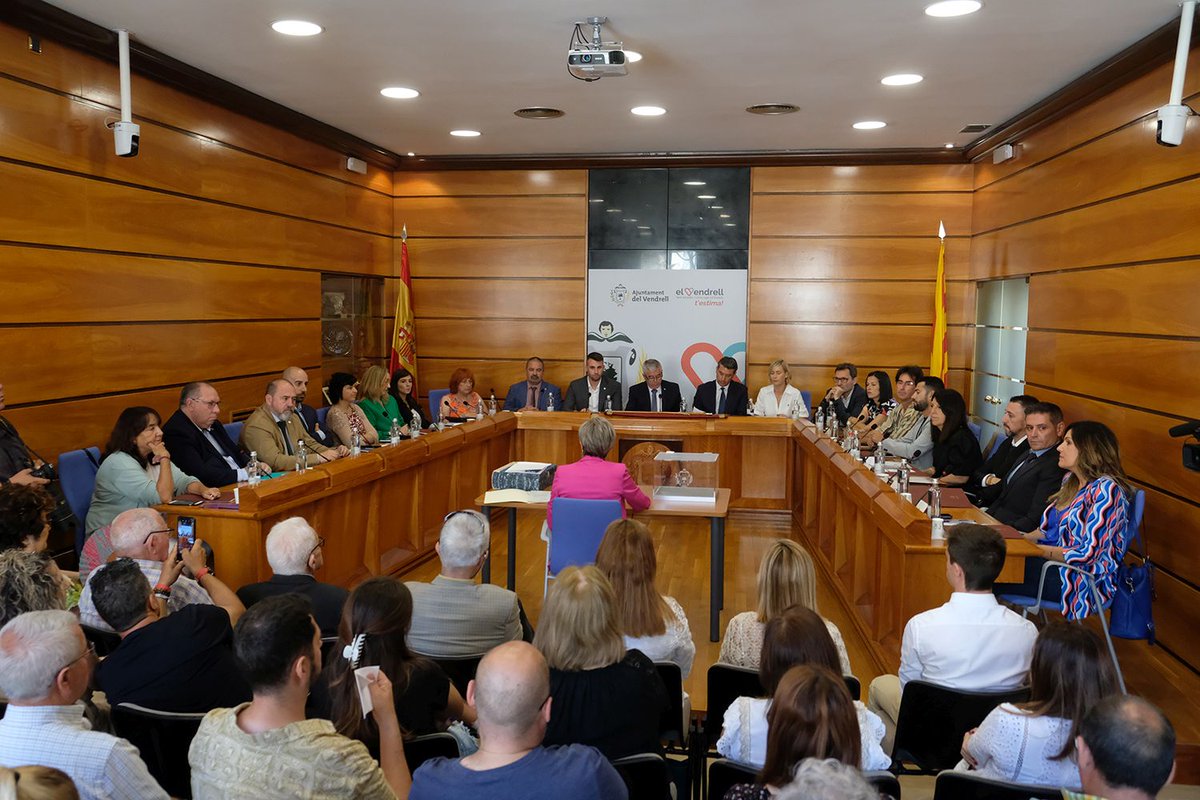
pixel 1030 456
pixel 301 416
pixel 287 443
pixel 654 403
pixel 721 402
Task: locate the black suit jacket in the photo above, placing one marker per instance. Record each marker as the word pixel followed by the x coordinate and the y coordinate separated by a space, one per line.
pixel 327 599
pixel 1022 500
pixel 858 399
pixel 576 396
pixel 998 464
pixel 737 399
pixel 308 415
pixel 192 452
pixel 639 397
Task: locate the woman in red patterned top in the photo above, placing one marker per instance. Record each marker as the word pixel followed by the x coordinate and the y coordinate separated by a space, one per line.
pixel 463 402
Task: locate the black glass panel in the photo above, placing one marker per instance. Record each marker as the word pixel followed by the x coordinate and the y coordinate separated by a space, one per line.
pixel 708 259
pixel 627 209
pixel 709 209
pixel 627 259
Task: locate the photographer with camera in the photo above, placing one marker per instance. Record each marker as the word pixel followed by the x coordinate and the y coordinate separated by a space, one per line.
pixel 17 463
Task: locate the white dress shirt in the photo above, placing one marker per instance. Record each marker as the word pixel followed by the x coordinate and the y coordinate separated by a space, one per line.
pixel 593 396
pixel 744 733
pixel 971 643
pixel 208 434
pixel 766 406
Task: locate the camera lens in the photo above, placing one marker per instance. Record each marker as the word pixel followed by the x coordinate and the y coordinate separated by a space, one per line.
pixel 586 58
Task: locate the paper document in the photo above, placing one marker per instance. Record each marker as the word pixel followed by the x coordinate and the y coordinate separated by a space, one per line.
pixel 496 496
pixel 362 677
pixel 919 479
pixel 527 466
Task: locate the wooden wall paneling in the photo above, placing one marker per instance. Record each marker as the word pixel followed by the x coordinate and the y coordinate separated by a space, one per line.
pixel 808 343
pixel 859 214
pixel 501 339
pixel 1158 374
pixel 436 486
pixel 1177 616
pixel 1169 531
pixel 500 374
pixel 537 216
pixel 1144 299
pixel 895 302
pixel 863 258
pixel 400 501
pixel 490 182
pixel 550 299
pixel 120 218
pixel 872 178
pixel 527 257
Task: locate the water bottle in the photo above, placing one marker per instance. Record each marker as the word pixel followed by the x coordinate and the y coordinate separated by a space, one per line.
pixel 903 477
pixel 935 499
pixel 301 456
pixel 834 428
pixel 252 476
pixel 479 410
pixel 394 434
pixel 608 404
pixel 414 425
pixel 492 404
pixel 820 419
pixel 880 458
pixel 683 405
pixel 355 444
pixel 855 446
pixel 549 400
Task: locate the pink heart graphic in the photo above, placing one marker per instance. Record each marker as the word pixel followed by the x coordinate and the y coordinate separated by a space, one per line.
pixel 685 361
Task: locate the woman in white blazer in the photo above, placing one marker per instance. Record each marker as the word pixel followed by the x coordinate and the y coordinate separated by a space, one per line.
pixel 779 398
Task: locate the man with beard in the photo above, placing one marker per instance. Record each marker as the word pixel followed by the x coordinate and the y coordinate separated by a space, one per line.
pixel 273 431
pixel 917 442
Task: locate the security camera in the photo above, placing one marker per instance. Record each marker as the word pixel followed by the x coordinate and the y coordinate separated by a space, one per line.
pixel 127 135
pixel 1172 121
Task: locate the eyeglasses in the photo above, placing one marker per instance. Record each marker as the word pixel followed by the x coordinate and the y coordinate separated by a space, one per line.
pixel 90 651
pixel 320 543
pixel 209 403
pixel 906 383
pixel 168 531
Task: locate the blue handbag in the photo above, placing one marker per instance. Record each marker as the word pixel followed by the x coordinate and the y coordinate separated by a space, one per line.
pixel 1131 615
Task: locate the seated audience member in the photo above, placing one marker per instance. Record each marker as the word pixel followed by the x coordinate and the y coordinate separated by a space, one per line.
pixel 266 748
pixel 295 552
pixel 463 402
pixel 595 390
pixel 36 783
pixel 198 442
pixel 511 693
pixel 345 417
pixel 17 463
pixel 725 395
pixel 604 695
pixel 879 403
pixel 1034 742
pixel 406 402
pixel 594 478
pixel 845 398
pixel 375 621
pixel 1126 750
pixel 786 577
pixel 779 398
pixel 453 616
pixel 956 453
pixel 827 779
pixel 24 517
pixel 653 393
pixel 375 401
pixel 985 485
pixel 137 470
pixel 142 534
pixel 811 716
pixel 905 414
pixel 308 415
pixel 797 637
pixel 650 622
pixel 29 582
pixel 274 430
pixel 178 662
pixel 1026 487
pixel 45 669
pixel 916 444
pixel 972 642
pixel 534 393
pixel 1092 512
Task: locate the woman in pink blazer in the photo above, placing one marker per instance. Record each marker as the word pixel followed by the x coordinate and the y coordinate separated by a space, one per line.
pixel 593 478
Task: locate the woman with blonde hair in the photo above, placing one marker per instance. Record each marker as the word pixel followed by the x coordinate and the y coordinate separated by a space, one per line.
pixel 379 406
pixel 603 695
pixel 36 783
pixel 779 398
pixel 786 577
pixel 650 622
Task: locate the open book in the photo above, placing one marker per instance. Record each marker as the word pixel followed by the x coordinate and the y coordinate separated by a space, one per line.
pixel 497 496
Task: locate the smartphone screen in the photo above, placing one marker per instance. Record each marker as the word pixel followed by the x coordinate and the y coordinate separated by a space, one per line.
pixel 186 528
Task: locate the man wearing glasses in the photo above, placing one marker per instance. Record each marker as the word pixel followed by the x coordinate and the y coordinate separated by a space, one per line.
pixel 846 397
pixel 905 414
pixel 45 668
pixel 198 442
pixel 295 552
pixel 142 534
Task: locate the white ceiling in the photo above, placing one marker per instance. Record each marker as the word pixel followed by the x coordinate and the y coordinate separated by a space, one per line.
pixel 476 62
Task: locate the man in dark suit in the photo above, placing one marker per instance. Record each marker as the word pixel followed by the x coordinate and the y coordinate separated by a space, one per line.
pixel 595 390
pixel 653 393
pixel 306 413
pixel 1035 476
pixel 198 442
pixel 985 485
pixel 533 393
pixel 846 398
pixel 724 395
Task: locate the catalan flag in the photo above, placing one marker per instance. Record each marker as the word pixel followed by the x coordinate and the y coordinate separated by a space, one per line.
pixel 939 358
pixel 404 340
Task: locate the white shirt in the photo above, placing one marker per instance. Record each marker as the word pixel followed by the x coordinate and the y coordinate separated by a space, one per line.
pixel 103 767
pixel 241 473
pixel 675 644
pixel 593 396
pixel 766 406
pixel 972 643
pixel 1014 746
pixel 744 733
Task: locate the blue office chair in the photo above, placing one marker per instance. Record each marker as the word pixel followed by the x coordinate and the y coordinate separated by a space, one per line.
pixel 77 473
pixel 578 530
pixel 976 430
pixel 322 413
pixel 998 439
pixel 234 429
pixel 435 403
pixel 807 398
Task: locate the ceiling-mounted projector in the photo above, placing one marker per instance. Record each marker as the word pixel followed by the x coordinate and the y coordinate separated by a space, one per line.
pixel 594 59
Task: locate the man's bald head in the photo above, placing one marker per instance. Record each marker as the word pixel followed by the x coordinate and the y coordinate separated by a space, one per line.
pixel 130 534
pixel 298 378
pixel 511 687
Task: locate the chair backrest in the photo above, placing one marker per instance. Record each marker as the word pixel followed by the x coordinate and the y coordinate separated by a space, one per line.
pixel 726 683
pixel 976 430
pixel 807 398
pixel 854 686
pixel 77 475
pixel 435 403
pixel 952 785
pixel 105 641
pixel 163 738
pixel 322 413
pixel 234 430
pixel 933 719
pixel 723 774
pixel 887 784
pixel 420 749
pixel 671 721
pixel 645 775
pixel 998 438
pixel 460 671
pixel 578 530
pixel 1136 510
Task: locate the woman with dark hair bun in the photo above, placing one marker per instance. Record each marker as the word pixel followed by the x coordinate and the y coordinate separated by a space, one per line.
pixel 402 389
pixel 956 453
pixel 879 402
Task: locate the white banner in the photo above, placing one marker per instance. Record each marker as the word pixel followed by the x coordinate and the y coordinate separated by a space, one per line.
pixel 687 319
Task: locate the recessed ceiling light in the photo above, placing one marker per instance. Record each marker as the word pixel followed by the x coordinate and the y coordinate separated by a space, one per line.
pixel 412 154
pixel 716 207
pixel 613 210
pixel 869 125
pixel 730 224
pixel 725 216
pixel 902 79
pixel 633 56
pixel 296 27
pixel 949 145
pixel 648 111
pixel 694 183
pixel 399 92
pixel 464 132
pixel 953 8
pixel 629 219
pixel 706 197
pixel 643 227
pixel 596 200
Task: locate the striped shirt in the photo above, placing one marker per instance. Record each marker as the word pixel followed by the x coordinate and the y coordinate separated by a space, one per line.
pixel 184 592
pixel 1092 528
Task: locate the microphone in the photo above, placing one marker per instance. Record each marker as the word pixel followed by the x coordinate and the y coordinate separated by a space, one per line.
pixel 1189 428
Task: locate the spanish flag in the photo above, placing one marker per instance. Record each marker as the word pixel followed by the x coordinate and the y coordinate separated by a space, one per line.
pixel 404 340
pixel 939 358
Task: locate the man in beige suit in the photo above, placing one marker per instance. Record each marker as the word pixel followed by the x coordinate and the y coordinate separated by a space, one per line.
pixel 273 431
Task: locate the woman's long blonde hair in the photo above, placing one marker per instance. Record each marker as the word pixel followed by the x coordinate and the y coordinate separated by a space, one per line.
pixel 626 557
pixel 1099 455
pixel 374 383
pixel 786 577
pixel 578 627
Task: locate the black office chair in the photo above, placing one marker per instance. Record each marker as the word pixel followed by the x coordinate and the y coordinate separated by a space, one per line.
pixel 645 775
pixel 887 784
pixel 327 645
pixel 726 683
pixel 953 785
pixel 420 749
pixel 104 641
pixel 854 686
pixel 163 739
pixel 723 774
pixel 460 671
pixel 932 721
pixel 671 726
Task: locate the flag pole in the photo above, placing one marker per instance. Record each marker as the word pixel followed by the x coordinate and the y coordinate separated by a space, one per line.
pixel 939 357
